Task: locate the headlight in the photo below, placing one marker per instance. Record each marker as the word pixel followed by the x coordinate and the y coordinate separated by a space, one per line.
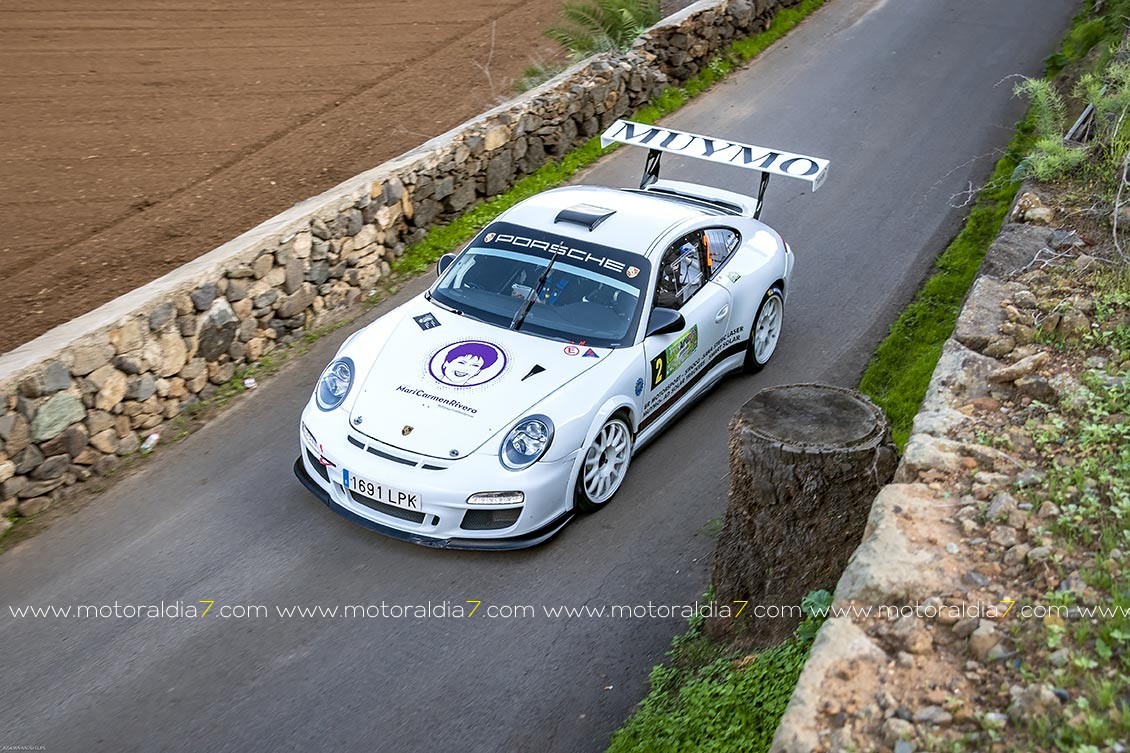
pixel 334 384
pixel 526 442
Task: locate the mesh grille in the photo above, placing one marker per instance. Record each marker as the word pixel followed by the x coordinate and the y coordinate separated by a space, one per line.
pixel 485 520
pixel 321 469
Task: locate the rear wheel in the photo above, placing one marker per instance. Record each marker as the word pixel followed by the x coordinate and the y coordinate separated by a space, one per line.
pixel 605 465
pixel 766 330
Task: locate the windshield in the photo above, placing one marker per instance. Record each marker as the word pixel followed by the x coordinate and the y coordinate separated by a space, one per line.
pixel 591 295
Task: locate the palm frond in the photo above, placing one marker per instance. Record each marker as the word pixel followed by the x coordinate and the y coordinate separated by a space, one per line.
pixel 602 25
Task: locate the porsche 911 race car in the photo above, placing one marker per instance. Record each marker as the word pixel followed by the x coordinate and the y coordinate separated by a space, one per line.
pixel 489 410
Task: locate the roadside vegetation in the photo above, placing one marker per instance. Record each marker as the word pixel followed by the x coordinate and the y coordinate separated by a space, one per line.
pixel 1085 439
pixel 1091 533
pixel 1098 161
pixel 1050 536
pixel 589 28
pixel 900 370
pixel 717 699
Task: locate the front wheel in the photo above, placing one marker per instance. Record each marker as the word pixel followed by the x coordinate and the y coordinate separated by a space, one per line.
pixel 766 330
pixel 605 465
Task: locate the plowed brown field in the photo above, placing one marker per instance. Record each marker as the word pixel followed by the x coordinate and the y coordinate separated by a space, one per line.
pixel 135 136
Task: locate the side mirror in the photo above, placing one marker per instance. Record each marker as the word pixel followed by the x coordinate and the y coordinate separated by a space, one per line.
pixel 665 321
pixel 444 263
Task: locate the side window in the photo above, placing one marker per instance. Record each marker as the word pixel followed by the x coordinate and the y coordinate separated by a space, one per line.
pixel 720 244
pixel 682 271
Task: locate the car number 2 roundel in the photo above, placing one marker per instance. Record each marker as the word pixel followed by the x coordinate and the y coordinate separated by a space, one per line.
pixel 673 356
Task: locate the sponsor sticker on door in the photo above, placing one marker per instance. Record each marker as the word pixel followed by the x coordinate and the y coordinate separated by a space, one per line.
pixel 673 356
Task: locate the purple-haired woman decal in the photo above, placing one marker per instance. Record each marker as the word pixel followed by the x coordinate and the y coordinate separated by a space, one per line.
pixel 467 364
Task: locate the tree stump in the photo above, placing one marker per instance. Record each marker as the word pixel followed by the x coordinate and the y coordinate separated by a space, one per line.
pixel 806 461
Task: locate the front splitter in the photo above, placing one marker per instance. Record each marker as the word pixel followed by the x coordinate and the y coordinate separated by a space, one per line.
pixel 525 541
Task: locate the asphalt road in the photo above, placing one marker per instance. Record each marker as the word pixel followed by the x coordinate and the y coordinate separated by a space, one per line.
pixel 903 97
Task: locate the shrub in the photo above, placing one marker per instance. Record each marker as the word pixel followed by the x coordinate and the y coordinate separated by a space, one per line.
pixel 1050 157
pixel 1048 110
pixel 1108 92
pixel 728 706
pixel 707 700
pixel 537 74
pixel 602 25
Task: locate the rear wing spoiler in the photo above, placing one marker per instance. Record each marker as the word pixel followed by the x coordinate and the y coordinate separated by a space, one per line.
pixel 658 139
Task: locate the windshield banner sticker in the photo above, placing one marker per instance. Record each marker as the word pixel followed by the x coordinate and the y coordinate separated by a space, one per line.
pixel 560 249
pixel 564 248
pixel 468 363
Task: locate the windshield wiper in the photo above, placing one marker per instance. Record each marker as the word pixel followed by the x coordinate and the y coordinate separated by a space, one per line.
pixel 524 309
pixel 452 309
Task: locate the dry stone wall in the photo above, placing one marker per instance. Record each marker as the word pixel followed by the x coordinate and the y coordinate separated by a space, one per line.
pixel 911 649
pixel 81 397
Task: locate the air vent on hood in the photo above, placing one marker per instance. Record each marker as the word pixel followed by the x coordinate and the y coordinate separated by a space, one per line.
pixel 585 215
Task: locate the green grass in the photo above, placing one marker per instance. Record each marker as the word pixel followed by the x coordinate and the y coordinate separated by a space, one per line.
pixel 1093 497
pixel 712 699
pixel 900 369
pixel 725 706
pixel 1089 32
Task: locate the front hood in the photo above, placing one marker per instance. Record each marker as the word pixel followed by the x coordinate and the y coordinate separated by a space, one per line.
pixel 444 384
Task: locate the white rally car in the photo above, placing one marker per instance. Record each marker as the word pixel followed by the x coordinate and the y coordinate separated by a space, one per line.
pixel 486 412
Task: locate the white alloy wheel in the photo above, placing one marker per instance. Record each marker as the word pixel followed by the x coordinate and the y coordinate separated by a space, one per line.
pixel 766 330
pixel 605 465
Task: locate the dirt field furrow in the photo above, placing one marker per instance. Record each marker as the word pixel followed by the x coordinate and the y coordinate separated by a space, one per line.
pixel 137 136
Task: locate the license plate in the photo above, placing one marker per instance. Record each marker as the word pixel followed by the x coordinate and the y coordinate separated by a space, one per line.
pixel 380 492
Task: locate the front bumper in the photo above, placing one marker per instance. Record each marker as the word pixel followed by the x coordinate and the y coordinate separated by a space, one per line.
pixel 329 447
pixel 520 541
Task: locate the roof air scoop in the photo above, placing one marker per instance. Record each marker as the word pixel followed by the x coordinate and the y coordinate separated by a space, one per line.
pixel 585 215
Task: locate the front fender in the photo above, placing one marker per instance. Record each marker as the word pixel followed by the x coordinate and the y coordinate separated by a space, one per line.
pixel 609 387
pixel 364 346
pixel 602 414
